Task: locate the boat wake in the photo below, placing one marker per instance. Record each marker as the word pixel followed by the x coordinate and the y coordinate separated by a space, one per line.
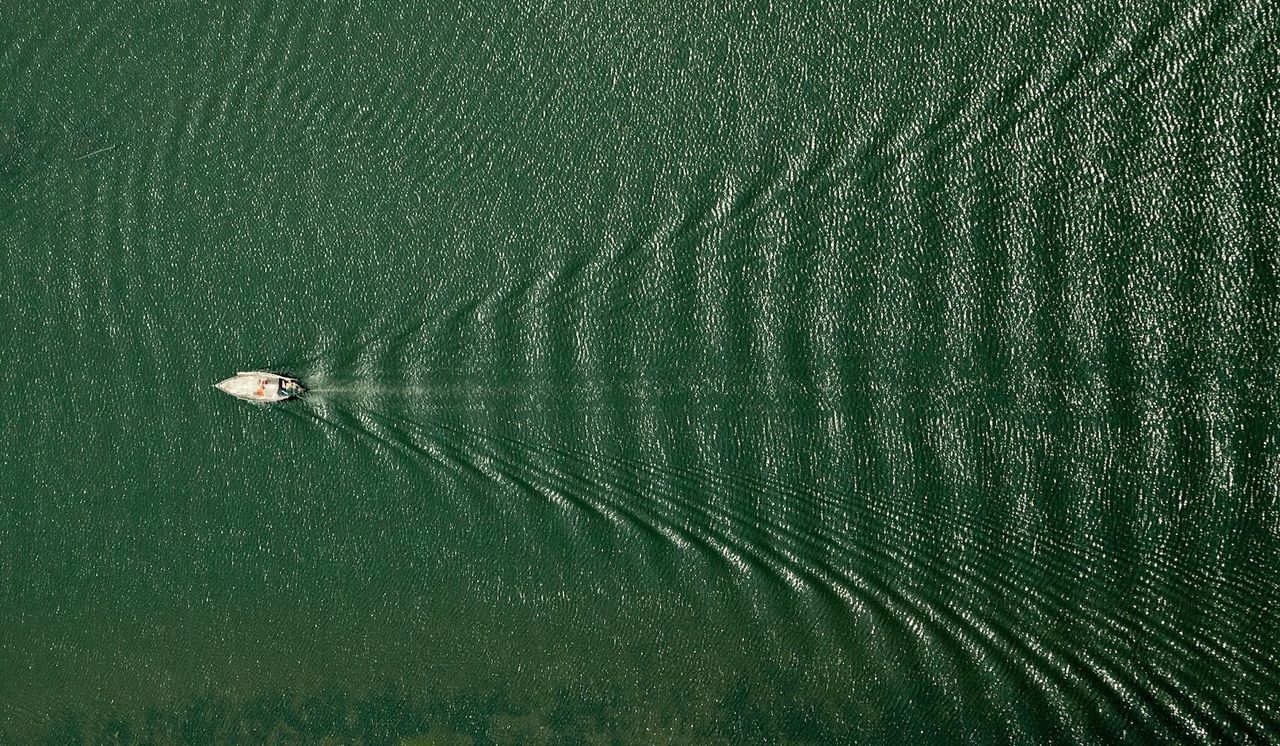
pixel 367 390
pixel 319 387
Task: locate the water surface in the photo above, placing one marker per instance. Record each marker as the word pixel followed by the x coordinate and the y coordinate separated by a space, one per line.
pixel 806 372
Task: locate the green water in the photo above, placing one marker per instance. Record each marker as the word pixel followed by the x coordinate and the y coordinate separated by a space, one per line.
pixel 682 372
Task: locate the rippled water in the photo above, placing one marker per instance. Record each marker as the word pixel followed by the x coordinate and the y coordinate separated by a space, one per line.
pixel 810 371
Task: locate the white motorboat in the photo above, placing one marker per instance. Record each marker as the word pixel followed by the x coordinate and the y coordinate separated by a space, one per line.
pixel 257 386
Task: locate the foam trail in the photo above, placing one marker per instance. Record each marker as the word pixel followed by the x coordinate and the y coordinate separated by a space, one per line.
pixel 366 388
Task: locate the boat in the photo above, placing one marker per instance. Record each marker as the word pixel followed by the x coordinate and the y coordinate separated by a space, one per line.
pixel 258 386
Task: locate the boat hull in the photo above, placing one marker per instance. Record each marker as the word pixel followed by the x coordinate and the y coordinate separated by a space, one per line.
pixel 257 386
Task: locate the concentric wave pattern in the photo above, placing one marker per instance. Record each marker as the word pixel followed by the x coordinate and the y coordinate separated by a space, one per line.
pixel 1022 609
pixel 976 415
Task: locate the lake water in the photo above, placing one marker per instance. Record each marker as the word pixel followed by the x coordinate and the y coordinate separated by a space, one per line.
pixel 682 372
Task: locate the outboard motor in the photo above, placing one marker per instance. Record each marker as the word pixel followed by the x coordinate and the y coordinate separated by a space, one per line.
pixel 290 387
